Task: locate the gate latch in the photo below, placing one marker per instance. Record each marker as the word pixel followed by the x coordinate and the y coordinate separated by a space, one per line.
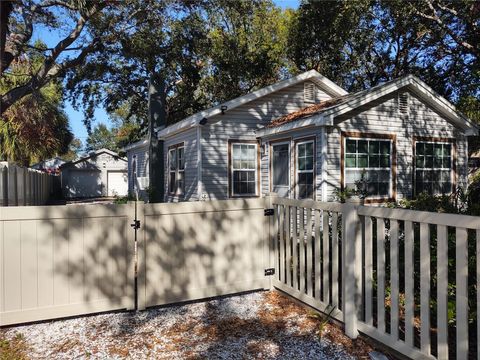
pixel 268 212
pixel 136 224
pixel 269 271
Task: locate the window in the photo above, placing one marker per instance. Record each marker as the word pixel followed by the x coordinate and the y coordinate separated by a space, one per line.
pixel 370 158
pixel 176 168
pixel 433 167
pixel 305 172
pixel 244 169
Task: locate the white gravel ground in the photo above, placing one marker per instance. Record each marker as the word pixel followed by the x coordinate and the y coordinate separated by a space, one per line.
pixel 247 326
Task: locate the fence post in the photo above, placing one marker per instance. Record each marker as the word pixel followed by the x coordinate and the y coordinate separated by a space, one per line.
pixel 269 230
pixel 4 180
pixel 352 266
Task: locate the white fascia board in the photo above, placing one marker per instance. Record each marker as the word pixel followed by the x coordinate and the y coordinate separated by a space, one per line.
pixel 313 121
pixel 418 87
pixel 193 120
pixel 136 145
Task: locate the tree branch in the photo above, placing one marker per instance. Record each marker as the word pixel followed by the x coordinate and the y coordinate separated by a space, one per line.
pixel 50 69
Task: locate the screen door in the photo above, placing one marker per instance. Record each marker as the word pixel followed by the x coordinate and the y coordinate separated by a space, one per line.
pixel 281 169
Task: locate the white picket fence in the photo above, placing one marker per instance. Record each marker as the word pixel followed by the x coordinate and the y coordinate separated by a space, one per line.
pixel 20 186
pixel 387 273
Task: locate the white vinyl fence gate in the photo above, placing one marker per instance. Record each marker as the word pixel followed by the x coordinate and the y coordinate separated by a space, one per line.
pixel 407 279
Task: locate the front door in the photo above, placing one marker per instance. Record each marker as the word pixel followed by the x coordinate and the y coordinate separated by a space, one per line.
pixel 281 169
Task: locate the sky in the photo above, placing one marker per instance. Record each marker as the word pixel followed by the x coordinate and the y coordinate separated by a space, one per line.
pixel 76 116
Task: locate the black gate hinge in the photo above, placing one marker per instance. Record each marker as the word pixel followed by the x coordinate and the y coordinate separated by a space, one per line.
pixel 136 224
pixel 268 212
pixel 269 271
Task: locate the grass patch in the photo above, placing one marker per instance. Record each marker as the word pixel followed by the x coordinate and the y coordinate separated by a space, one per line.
pixel 15 348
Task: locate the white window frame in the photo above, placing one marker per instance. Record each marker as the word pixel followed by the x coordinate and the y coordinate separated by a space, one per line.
pixel 231 169
pixel 179 191
pixel 390 180
pixel 297 171
pixel 452 176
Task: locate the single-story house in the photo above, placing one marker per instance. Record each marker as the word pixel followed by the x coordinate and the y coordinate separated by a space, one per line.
pixel 305 136
pixel 100 173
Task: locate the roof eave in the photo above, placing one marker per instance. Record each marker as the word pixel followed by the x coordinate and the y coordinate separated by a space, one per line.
pixel 312 121
pixel 442 105
pixel 194 120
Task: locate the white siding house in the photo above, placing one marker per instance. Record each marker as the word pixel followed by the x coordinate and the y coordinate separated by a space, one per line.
pixel 101 173
pixel 306 137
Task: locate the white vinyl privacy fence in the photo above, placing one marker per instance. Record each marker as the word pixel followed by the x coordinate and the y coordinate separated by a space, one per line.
pixel 20 186
pixel 407 279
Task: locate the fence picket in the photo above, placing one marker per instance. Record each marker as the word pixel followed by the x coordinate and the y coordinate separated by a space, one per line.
pixel 462 293
pixel 281 219
pixel 425 288
pixel 325 241
pixel 334 251
pixel 309 252
pixel 368 271
pixel 442 296
pixel 381 275
pixel 478 291
pixel 409 296
pixel 317 255
pixel 394 283
pixel 301 242
pixel 288 239
pixel 295 247
pixel 276 247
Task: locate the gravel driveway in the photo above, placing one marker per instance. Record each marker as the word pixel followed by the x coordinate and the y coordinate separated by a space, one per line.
pixel 262 325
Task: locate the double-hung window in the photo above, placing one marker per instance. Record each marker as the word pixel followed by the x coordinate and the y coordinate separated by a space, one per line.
pixel 243 175
pixel 305 164
pixel 368 162
pixel 433 167
pixel 176 168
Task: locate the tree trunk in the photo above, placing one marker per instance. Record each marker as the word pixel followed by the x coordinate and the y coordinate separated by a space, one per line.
pixel 157 118
pixel 6 8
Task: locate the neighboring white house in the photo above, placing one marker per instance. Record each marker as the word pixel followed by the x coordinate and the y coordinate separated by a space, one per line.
pixel 101 173
pixel 51 165
pixel 305 137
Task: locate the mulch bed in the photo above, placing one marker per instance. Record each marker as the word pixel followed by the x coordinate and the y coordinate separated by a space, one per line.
pixel 261 325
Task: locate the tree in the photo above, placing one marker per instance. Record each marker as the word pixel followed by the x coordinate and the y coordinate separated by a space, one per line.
pixel 363 43
pixel 74 149
pixel 23 16
pixel 101 138
pixel 35 127
pixel 247 41
pixel 206 52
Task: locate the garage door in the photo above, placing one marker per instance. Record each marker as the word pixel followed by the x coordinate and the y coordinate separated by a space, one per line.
pixel 84 183
pixel 117 183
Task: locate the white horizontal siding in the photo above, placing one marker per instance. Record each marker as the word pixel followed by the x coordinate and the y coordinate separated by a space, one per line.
pixel 241 123
pixel 142 164
pixel 383 118
pixel 189 138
